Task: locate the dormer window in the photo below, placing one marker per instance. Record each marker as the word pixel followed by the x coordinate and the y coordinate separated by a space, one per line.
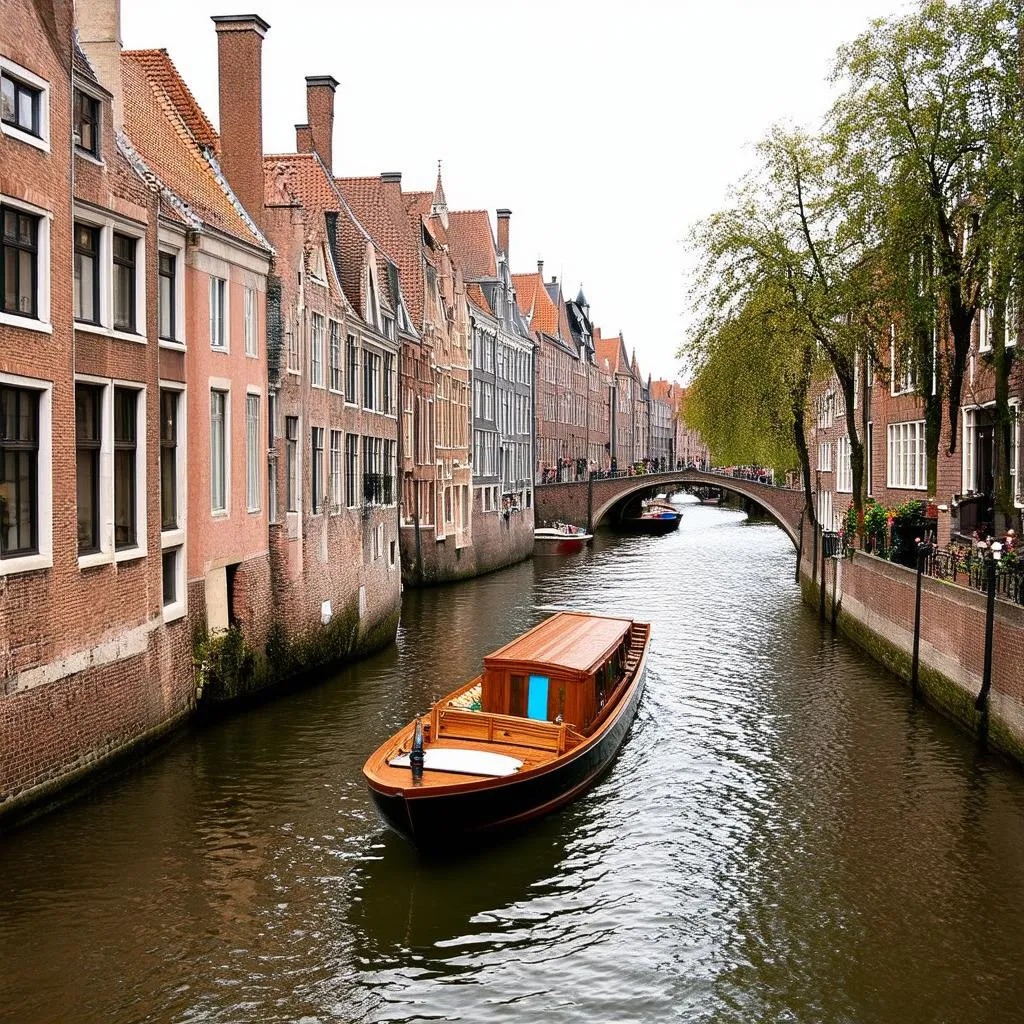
pixel 87 123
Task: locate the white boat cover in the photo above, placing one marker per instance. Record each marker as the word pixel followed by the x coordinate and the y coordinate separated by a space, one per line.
pixel 462 761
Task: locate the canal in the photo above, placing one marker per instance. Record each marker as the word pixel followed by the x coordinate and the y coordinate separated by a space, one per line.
pixel 784 837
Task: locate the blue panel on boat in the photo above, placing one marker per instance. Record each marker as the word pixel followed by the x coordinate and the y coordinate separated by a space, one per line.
pixel 537 698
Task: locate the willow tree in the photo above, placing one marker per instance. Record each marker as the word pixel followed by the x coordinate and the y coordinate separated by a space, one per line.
pixel 926 107
pixel 796 231
pixel 751 366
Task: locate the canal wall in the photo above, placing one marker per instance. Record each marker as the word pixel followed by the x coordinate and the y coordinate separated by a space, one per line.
pixel 499 540
pixel 874 607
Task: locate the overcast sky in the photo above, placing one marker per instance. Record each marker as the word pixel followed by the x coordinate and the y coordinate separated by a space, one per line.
pixel 608 128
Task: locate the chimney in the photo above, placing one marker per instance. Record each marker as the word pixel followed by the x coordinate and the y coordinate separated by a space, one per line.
pixel 503 216
pixel 240 70
pixel 303 139
pixel 392 183
pixel 99 32
pixel 540 269
pixel 320 114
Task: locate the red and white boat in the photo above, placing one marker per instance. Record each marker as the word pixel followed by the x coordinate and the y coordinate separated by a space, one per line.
pixel 560 538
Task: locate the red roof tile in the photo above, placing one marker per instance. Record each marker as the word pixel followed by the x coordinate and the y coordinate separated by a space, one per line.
pixel 534 302
pixel 472 243
pixel 476 295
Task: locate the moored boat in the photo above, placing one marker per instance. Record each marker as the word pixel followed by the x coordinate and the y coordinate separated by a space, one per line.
pixel 530 734
pixel 657 516
pixel 561 538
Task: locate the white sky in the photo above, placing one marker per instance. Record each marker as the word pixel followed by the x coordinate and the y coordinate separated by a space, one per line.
pixel 608 128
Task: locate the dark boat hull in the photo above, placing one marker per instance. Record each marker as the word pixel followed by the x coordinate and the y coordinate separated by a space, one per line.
pixel 654 527
pixel 433 820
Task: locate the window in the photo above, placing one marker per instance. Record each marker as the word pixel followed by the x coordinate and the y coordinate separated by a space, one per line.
pixel 169 460
pixel 825 457
pixel 250 322
pixel 218 451
pixel 291 434
pixel 351 371
pixel 1015 484
pixel 907 460
pixel 126 403
pixel 166 295
pixel 88 438
pixel 19 262
pixel 316 351
pixel 218 316
pixel 87 123
pixel 87 273
pixel 252 453
pixel 825 519
pixel 389 386
pixel 124 282
pixel 336 471
pixel 351 470
pixel 334 356
pixel 293 352
pixel 869 452
pixel 844 468
pixel 21 103
pixel 19 452
pixel 371 380
pixel 316 471
pixel 170 560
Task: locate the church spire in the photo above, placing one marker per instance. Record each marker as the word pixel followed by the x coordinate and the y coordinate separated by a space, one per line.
pixel 439 205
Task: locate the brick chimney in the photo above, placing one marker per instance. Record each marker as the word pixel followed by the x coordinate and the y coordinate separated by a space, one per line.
pixel 392 181
pixel 240 69
pixel 540 270
pixel 99 32
pixel 320 114
pixel 303 139
pixel 503 216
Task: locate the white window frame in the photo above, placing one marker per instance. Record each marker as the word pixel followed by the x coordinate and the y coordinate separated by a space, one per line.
pixel 316 350
pixel 224 385
pixel 903 465
pixel 11 70
pixel 336 479
pixel 251 320
pixel 225 339
pixel 176 538
pixel 825 457
pixel 42 321
pixel 173 245
pixel 869 458
pixel 1015 466
pixel 844 466
pixel 967 423
pixel 254 453
pixel 43 558
pixel 907 378
pixel 108 224
pixel 826 518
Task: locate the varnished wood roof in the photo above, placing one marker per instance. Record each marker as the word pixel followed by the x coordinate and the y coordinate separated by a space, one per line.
pixel 572 641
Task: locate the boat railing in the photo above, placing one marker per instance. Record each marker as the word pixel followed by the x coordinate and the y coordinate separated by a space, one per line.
pixel 455 723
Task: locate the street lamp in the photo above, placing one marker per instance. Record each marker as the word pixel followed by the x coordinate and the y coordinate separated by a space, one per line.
pixel 992 553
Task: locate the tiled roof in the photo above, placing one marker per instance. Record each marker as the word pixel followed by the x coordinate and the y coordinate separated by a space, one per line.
pixel 662 390
pixel 381 208
pixel 476 295
pixel 533 299
pixel 612 351
pixel 164 139
pixel 472 243
pixel 160 69
pixel 81 66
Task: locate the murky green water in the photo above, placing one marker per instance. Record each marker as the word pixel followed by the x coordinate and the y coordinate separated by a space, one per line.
pixel 785 837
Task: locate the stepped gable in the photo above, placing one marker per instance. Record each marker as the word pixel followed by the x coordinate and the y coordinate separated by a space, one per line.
pixel 472 243
pixel 173 137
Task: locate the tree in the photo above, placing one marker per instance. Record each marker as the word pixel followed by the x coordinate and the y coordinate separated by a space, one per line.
pixel 752 371
pixel 929 105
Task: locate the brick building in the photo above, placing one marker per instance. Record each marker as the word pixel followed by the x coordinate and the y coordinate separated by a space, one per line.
pixel 94 657
pixel 502 392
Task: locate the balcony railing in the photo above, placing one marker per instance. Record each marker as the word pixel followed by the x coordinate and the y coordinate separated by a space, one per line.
pixel 378 489
pixel 967 568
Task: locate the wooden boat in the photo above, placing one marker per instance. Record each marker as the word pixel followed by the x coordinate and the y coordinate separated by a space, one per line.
pixel 530 734
pixel 561 538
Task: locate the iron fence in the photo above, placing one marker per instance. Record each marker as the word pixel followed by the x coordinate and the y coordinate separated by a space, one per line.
pixel 967 568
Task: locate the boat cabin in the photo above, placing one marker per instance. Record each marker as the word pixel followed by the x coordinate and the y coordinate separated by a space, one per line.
pixel 563 670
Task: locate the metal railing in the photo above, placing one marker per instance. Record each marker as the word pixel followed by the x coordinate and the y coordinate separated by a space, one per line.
pixel 618 474
pixel 967 568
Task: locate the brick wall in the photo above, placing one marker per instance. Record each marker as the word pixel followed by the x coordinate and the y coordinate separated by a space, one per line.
pixel 876 600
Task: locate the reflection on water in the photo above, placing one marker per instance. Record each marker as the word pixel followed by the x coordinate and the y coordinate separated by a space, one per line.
pixel 784 837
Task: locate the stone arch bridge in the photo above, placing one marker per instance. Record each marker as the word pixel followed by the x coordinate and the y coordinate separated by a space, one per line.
pixel 603 497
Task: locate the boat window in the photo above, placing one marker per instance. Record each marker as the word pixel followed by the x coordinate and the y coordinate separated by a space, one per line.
pixel 517 696
pixel 537 699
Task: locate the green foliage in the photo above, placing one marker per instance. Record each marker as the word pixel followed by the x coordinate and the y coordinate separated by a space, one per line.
pixel 225 664
pixel 876 519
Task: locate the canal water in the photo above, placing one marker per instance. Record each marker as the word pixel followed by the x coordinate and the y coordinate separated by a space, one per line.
pixel 784 837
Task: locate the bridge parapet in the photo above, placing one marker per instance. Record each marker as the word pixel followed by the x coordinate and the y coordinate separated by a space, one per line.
pixel 569 502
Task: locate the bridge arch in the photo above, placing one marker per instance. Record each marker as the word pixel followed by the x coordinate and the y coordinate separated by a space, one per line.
pixel 573 501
